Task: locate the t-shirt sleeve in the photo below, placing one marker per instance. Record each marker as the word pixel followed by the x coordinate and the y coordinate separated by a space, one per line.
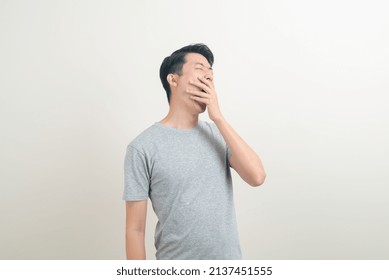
pixel 219 137
pixel 229 154
pixel 136 175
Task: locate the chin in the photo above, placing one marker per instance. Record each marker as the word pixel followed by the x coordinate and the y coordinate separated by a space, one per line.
pixel 202 109
pixel 198 107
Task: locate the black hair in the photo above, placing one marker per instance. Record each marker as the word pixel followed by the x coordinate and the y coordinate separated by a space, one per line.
pixel 173 63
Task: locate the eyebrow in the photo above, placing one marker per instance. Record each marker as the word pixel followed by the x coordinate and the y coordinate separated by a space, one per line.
pixel 202 64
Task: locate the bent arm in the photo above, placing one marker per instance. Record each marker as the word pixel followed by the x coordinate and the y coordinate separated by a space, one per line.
pixel 135 229
pixel 243 159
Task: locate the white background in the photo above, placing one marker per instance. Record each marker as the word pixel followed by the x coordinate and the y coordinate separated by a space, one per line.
pixel 304 83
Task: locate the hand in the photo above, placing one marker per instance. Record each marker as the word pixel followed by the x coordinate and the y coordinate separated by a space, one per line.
pixel 209 97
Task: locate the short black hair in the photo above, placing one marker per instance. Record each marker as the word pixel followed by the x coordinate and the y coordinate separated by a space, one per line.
pixel 174 63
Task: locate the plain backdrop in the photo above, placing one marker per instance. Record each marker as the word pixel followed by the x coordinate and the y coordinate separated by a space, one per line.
pixel 304 83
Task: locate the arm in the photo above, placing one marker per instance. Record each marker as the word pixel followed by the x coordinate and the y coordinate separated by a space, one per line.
pixel 135 229
pixel 243 159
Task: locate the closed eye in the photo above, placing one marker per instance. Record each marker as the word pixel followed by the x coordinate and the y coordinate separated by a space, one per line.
pixel 201 66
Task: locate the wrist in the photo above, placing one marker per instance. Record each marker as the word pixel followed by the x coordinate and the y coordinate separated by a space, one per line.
pixel 219 119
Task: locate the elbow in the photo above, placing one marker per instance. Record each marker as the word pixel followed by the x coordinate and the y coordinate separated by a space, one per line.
pixel 259 180
pixel 135 231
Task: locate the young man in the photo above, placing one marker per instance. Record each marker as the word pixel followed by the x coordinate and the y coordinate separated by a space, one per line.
pixel 183 165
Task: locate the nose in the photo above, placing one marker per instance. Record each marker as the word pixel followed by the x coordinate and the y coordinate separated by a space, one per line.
pixel 209 76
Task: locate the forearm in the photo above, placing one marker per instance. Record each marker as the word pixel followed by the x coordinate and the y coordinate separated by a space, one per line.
pixel 246 162
pixel 135 245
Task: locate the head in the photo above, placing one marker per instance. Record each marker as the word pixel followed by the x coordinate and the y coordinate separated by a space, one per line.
pixel 184 65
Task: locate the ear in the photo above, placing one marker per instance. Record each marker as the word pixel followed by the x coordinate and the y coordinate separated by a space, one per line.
pixel 172 80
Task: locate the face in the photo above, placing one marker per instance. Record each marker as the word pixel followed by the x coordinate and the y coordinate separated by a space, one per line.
pixel 195 66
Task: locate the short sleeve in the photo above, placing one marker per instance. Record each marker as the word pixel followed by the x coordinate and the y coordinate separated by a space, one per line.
pixel 136 175
pixel 229 154
pixel 219 137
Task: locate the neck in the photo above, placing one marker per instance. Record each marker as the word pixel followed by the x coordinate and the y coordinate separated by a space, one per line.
pixel 178 117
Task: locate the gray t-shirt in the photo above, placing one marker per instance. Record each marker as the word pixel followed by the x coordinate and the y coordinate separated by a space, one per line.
pixel 186 174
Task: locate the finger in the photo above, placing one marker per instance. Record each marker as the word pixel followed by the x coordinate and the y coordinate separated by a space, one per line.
pixel 200 99
pixel 200 85
pixel 206 81
pixel 198 93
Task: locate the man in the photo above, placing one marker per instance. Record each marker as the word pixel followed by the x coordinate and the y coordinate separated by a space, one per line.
pixel 183 165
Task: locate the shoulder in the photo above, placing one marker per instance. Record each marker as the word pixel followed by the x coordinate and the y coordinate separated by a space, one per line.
pixel 207 125
pixel 211 128
pixel 144 139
